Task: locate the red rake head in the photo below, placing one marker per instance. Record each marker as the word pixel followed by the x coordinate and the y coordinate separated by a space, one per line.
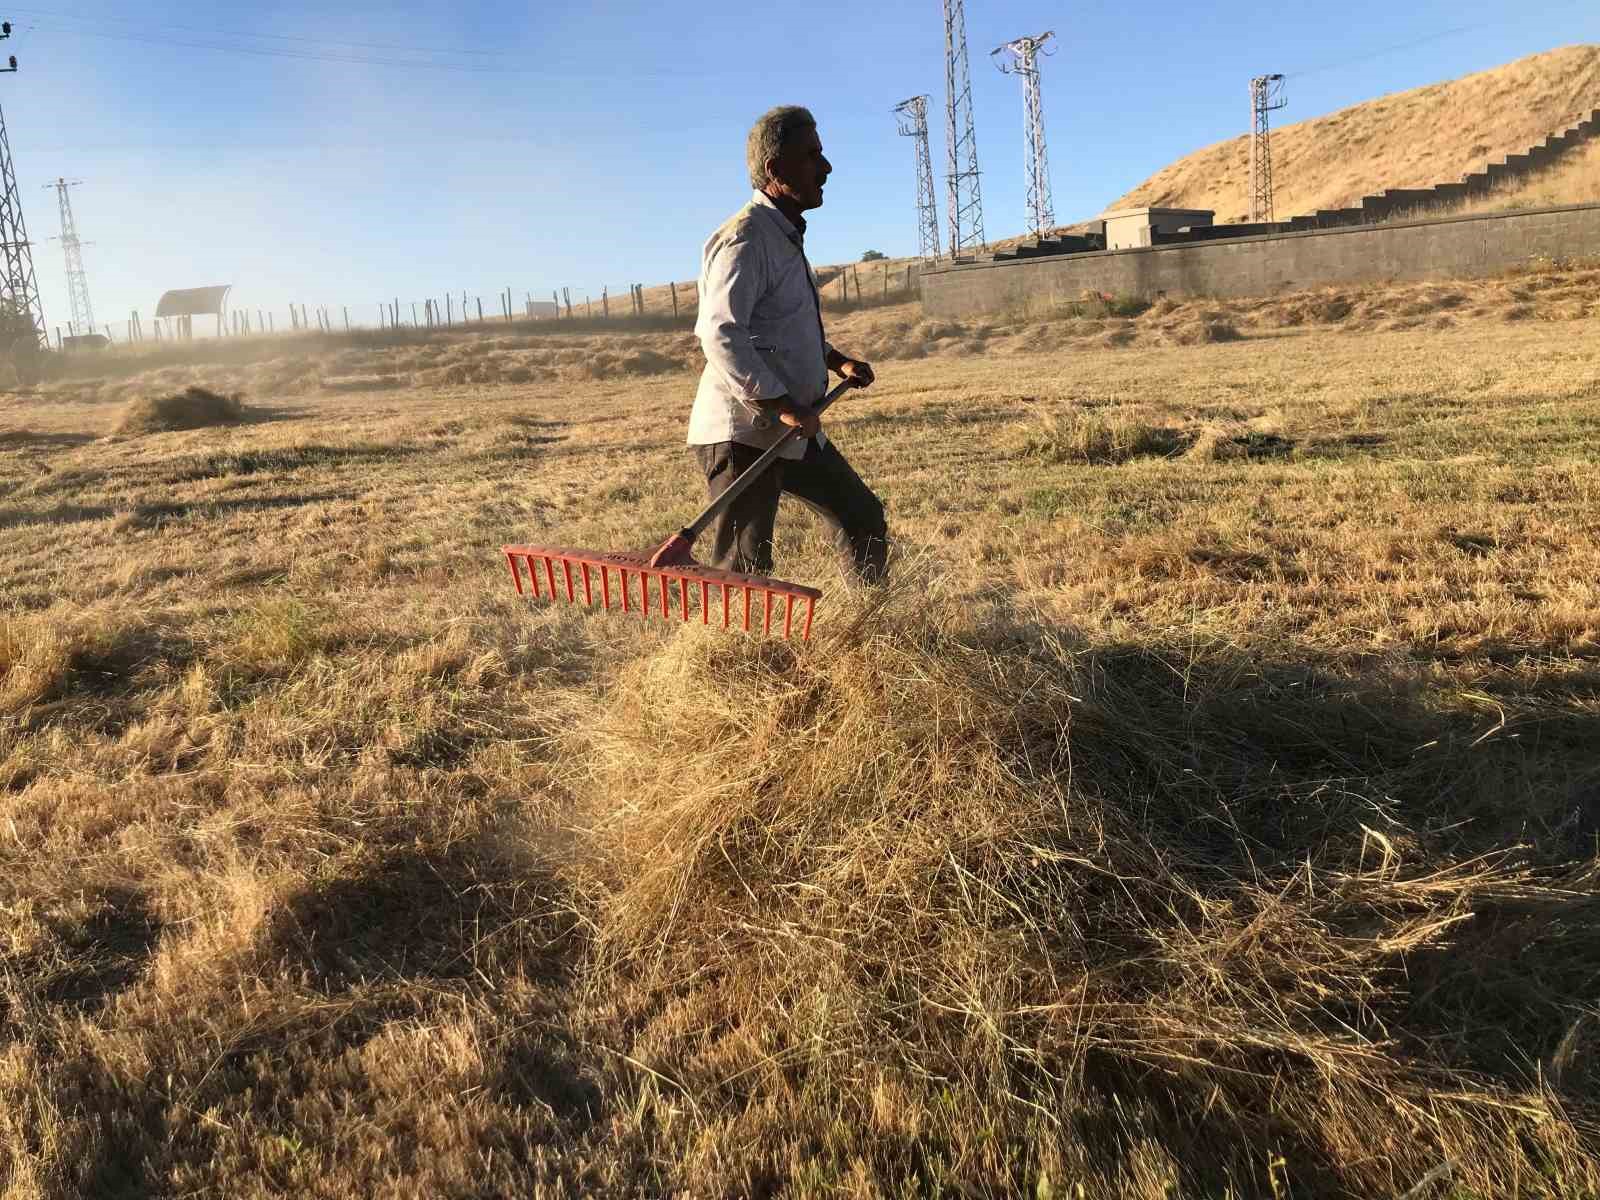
pixel 683 589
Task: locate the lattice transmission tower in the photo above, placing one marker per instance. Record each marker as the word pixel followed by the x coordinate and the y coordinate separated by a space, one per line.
pixel 1266 97
pixel 1023 61
pixel 963 200
pixel 77 280
pixel 19 288
pixel 912 116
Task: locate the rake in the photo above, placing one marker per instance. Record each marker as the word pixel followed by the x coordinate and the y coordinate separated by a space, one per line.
pixel 666 581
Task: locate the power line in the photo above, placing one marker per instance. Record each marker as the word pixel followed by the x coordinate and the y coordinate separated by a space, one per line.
pixel 284 52
pixel 77 277
pixel 912 117
pixel 1266 97
pixel 1520 19
pixel 20 304
pixel 97 20
pixel 964 202
pixel 1024 52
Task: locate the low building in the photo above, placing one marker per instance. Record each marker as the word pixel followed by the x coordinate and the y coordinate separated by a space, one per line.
pixel 1135 228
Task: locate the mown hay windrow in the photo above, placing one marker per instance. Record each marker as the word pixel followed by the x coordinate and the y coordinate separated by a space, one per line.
pixel 193 408
pixel 956 901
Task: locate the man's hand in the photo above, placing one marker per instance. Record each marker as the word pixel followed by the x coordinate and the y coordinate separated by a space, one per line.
pixel 802 416
pixel 854 368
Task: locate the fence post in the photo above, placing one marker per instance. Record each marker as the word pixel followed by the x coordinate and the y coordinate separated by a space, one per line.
pixel 588 307
pixel 480 310
pixel 885 281
pixel 567 296
pixel 674 288
pixel 605 303
pixel 449 310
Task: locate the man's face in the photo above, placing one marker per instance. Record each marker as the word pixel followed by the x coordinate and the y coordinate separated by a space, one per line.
pixel 800 170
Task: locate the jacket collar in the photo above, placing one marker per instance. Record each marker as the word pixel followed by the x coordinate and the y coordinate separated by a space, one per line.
pixel 794 232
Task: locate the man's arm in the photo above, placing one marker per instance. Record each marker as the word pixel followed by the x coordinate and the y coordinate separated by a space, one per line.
pixel 849 368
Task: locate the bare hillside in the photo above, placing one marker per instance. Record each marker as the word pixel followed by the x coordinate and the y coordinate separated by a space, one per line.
pixel 1418 138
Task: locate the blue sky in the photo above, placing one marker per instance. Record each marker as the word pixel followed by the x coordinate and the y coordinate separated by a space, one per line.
pixel 342 154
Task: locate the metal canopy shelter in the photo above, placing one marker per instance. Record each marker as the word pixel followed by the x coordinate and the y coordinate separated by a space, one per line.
pixel 188 303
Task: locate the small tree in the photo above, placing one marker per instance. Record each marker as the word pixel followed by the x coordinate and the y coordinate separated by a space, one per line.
pixel 19 344
pixel 873 256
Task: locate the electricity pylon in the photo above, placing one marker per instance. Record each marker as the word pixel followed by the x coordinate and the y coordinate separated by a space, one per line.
pixel 912 117
pixel 1266 96
pixel 1023 62
pixel 77 280
pixel 20 305
pixel 964 200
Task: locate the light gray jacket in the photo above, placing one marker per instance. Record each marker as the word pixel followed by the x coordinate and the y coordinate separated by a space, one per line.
pixel 760 326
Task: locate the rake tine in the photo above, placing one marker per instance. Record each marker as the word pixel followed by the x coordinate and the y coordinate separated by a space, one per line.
pixel 675 579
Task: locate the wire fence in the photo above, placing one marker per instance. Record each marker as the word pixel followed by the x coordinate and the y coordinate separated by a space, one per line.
pixel 840 289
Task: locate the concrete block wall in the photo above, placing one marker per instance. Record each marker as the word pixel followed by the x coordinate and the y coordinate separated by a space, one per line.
pixel 1448 247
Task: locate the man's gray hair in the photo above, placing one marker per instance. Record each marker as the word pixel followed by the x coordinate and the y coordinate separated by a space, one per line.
pixel 768 136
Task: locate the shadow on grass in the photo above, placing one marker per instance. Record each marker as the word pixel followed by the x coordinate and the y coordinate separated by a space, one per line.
pixel 399 946
pixel 22 439
pixel 88 961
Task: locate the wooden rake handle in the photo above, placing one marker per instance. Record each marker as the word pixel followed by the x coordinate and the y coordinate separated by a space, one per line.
pixel 751 473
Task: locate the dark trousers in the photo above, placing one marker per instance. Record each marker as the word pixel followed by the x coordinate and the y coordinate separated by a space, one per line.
pixel 823 481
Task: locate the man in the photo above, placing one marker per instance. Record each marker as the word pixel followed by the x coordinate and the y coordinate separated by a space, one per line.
pixel 767 362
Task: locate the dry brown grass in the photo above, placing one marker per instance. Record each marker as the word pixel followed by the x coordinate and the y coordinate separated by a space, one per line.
pixel 1209 809
pixel 192 408
pixel 1412 139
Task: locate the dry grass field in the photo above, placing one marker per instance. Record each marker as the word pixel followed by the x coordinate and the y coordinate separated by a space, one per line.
pixel 1417 138
pixel 1210 808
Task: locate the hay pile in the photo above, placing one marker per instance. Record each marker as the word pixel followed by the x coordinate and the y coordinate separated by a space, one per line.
pixel 949 906
pixel 193 408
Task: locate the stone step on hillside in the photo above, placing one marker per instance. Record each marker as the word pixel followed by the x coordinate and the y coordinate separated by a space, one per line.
pixel 1476 183
pixel 1044 247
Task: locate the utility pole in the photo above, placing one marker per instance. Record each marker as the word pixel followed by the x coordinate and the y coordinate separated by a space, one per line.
pixel 1023 62
pixel 912 118
pixel 19 288
pixel 77 279
pixel 1266 96
pixel 964 200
